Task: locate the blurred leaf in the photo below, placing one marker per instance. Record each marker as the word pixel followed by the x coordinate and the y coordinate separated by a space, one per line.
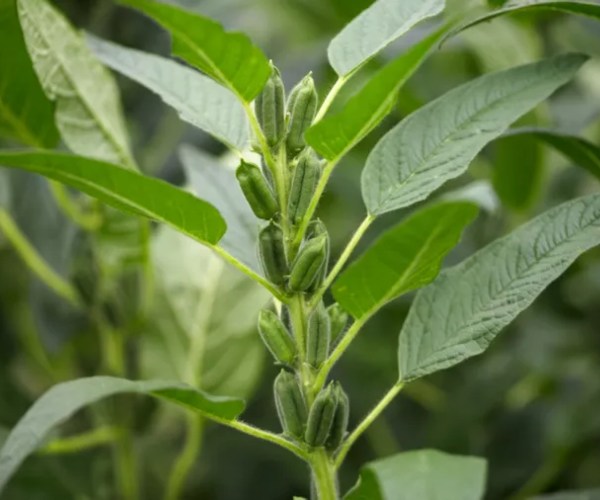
pixel 126 190
pixel 458 315
pixel 405 258
pixel 438 142
pixel 25 113
pixel 375 28
pixel 481 193
pixel 63 400
pixel 336 134
pixel 216 183
pixel 88 111
pixel 579 150
pixel 423 474
pixel 230 58
pixel 572 495
pixel 197 99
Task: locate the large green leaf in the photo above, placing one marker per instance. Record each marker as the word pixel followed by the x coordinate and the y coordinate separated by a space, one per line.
pixel 460 313
pixel 88 111
pixel 26 114
pixel 198 99
pixel 126 190
pixel 404 258
pixel 579 150
pixel 230 58
pixel 423 475
pixel 572 495
pixel 438 142
pixel 63 400
pixel 375 28
pixel 216 183
pixel 336 134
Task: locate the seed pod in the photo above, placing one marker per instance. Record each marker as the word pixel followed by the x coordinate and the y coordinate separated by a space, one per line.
pixel 272 253
pixel 302 108
pixel 320 417
pixel 308 263
pixel 340 419
pixel 318 336
pixel 286 318
pixel 270 109
pixel 304 182
pixel 276 337
pixel 256 190
pixel 290 404
pixel 316 228
pixel 339 319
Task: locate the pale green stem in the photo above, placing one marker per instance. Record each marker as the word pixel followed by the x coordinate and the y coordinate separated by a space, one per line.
pixel 35 262
pixel 148 268
pixel 341 262
pixel 127 467
pixel 87 221
pixel 328 101
pixel 324 475
pixel 368 420
pixel 81 442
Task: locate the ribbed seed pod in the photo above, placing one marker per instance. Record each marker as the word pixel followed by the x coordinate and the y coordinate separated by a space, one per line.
pixel 276 337
pixel 339 426
pixel 320 417
pixel 339 319
pixel 290 404
pixel 270 109
pixel 318 336
pixel 257 190
pixel 301 108
pixel 304 182
pixel 317 228
pixel 308 263
pixel 272 253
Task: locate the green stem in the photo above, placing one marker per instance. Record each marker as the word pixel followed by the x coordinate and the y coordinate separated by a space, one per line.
pixel 368 420
pixel 126 467
pixel 543 476
pixel 76 444
pixel 324 475
pixel 328 101
pixel 87 221
pixel 34 260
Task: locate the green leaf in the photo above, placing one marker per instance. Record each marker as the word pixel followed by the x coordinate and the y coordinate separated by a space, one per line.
pixel 423 474
pixel 197 99
pixel 26 115
pixel 405 258
pixel 572 495
pixel 65 399
pixel 336 134
pixel 126 190
pixel 460 313
pixel 438 142
pixel 579 150
pixel 230 58
pixel 87 108
pixel 216 183
pixel 375 28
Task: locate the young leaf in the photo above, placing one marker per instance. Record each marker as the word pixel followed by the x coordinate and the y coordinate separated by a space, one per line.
pixel 458 315
pixel 423 474
pixel 437 142
pixel 87 108
pixel 375 28
pixel 65 399
pixel 230 58
pixel 579 150
pixel 214 182
pixel 406 257
pixel 197 99
pixel 336 134
pixel 26 114
pixel 126 190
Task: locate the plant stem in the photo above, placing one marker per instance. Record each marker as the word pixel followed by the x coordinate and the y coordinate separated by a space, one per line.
pixel 328 101
pixel 324 475
pixel 87 221
pixel 34 260
pixel 368 420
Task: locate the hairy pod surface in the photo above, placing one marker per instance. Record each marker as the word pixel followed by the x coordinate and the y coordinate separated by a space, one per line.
pixel 270 109
pixel 276 337
pixel 308 263
pixel 318 336
pixel 339 320
pixel 320 417
pixel 304 183
pixel 317 228
pixel 272 253
pixel 257 191
pixel 339 427
pixel 301 108
pixel 290 404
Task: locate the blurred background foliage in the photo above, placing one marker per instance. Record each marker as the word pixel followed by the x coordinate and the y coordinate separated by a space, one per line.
pixel 530 405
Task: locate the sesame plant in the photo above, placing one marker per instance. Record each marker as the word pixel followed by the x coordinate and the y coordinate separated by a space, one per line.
pixel 287 144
